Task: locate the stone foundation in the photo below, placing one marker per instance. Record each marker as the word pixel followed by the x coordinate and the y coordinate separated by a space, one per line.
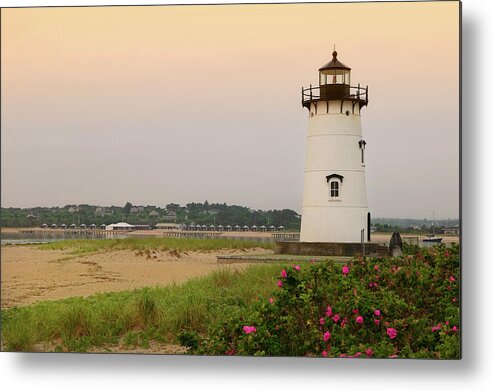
pixel 333 249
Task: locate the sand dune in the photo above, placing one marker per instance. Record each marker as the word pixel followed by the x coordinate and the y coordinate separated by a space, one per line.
pixel 30 274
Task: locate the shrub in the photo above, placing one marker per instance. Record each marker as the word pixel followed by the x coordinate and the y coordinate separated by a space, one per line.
pixel 370 307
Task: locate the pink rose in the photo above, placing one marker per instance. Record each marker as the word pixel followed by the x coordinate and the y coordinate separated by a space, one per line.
pixel 369 352
pixel 343 323
pixel 249 329
pixel 377 312
pixel 284 274
pixel 345 270
pixel 271 300
pixel 336 318
pixel 326 336
pixel 297 268
pixel 377 322
pixel 391 332
pixel 376 267
pixel 324 353
pixel 355 311
pixel 454 329
pixel 328 312
pixel 394 356
pixel 359 319
pixel 451 279
pixel 279 283
pixel 322 321
pixel 436 328
pixel 342 355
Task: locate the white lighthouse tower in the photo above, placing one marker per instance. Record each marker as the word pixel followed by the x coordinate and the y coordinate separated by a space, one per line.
pixel 334 199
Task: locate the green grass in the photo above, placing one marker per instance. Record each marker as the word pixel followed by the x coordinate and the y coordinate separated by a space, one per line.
pixel 135 317
pixel 85 246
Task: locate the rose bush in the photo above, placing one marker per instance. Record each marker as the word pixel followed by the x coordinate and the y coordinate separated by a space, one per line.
pixel 368 307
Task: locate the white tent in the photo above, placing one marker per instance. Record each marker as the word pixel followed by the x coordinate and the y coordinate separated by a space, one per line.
pixel 120 226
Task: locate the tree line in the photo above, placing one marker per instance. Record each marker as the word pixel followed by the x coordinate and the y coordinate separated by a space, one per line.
pixel 192 213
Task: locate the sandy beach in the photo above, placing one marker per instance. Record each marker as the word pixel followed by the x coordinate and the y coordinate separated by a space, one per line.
pixel 30 274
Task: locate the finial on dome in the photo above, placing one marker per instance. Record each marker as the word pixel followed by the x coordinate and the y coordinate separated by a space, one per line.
pixel 334 53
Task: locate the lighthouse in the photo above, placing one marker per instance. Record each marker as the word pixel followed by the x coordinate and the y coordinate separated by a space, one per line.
pixel 335 206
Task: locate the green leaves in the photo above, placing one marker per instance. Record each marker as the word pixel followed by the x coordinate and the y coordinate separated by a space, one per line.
pixel 413 293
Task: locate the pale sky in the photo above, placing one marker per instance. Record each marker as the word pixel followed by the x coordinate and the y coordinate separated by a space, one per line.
pixel 186 103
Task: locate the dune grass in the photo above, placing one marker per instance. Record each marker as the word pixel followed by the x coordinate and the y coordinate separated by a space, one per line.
pixel 85 246
pixel 135 317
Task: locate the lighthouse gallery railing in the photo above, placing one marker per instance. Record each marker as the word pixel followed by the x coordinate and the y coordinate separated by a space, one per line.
pixel 311 94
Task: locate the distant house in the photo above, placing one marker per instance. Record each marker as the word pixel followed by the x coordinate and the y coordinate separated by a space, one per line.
pixel 101 211
pixel 153 213
pixel 169 216
pixel 73 209
pixel 135 210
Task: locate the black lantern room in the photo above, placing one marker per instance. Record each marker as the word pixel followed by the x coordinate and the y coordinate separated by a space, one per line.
pixel 334 81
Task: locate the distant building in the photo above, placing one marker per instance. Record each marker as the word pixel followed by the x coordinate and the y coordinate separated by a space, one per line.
pixel 167 226
pixel 135 210
pixel 451 230
pixel 142 226
pixel 153 213
pixel 101 211
pixel 169 216
pixel 122 226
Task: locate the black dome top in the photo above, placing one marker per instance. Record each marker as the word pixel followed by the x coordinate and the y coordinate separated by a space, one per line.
pixel 334 64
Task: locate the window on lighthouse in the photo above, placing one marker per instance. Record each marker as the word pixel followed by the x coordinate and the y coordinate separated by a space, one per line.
pixel 334 189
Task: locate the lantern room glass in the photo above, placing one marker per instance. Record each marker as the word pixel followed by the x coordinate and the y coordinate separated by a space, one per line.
pixel 335 76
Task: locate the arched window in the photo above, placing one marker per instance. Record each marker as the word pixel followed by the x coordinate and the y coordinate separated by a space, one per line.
pixel 334 189
pixel 335 182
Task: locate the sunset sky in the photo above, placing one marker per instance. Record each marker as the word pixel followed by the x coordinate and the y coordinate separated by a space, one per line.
pixel 191 103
